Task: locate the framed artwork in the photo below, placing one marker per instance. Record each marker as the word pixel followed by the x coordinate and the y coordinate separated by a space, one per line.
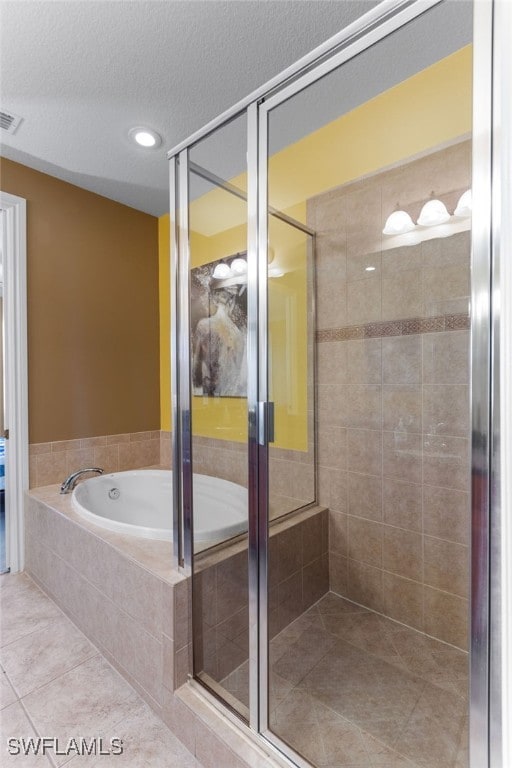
pixel 218 294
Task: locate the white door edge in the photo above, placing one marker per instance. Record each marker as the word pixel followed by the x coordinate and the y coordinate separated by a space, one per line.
pixel 16 380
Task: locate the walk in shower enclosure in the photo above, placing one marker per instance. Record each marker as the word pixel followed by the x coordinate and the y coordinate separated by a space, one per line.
pixel 324 269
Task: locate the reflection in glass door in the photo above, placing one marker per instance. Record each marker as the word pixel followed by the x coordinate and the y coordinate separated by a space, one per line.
pixel 218 366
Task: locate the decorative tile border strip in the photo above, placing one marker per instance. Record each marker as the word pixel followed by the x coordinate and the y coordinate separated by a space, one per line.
pixel 407 327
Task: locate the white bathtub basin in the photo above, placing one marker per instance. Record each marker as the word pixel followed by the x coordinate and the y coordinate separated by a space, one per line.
pixel 139 502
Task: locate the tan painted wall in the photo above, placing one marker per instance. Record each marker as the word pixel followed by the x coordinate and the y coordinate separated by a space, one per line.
pixel 93 326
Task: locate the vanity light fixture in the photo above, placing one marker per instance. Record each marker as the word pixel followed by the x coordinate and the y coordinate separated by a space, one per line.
pixel 464 206
pixel 433 213
pixel 145 137
pixel 398 223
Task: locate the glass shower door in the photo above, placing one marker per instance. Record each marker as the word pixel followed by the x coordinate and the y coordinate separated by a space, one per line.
pixel 374 157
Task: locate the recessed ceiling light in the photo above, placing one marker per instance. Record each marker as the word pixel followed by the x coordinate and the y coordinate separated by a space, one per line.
pixel 145 137
pixel 369 269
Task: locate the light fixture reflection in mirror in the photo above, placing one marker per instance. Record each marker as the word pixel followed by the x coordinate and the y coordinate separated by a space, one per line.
pixel 237 269
pixel 464 207
pixel 222 271
pixel 434 212
pixel 398 223
pixel 239 266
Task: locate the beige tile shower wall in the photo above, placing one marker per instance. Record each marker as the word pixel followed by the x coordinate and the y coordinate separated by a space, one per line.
pixel 291 478
pixel 50 463
pixel 225 459
pixel 393 401
pixel 166 449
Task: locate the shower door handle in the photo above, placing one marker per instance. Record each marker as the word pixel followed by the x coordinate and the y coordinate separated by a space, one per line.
pixel 266 423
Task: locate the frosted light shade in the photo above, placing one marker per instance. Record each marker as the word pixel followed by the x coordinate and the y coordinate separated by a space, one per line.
pixel 239 266
pixel 398 223
pixel 434 212
pixel 222 271
pixel 464 206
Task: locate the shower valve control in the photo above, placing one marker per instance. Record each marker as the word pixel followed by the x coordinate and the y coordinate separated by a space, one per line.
pixel 114 493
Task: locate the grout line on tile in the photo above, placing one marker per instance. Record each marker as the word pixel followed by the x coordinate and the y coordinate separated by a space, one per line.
pixel 64 672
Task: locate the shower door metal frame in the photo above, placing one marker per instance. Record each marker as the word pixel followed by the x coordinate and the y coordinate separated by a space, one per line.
pixel 180 362
pixel 481 389
pixel 374 26
pixel 493 77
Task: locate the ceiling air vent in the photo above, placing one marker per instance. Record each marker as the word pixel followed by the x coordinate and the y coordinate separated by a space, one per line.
pixel 9 122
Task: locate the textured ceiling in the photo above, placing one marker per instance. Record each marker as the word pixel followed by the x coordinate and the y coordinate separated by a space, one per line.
pixel 81 74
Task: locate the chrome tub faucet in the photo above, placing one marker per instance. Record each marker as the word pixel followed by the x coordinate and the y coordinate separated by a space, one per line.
pixel 70 482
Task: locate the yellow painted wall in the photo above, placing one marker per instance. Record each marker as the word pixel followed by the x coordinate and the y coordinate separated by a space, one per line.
pixel 224 417
pixel 164 293
pixel 288 332
pixel 429 109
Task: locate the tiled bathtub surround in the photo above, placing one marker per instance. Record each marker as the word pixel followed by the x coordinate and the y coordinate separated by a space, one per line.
pixel 129 601
pixel 291 482
pixel 298 577
pixel 125 594
pixel 393 402
pixel 120 590
pixel 51 462
pixel 291 472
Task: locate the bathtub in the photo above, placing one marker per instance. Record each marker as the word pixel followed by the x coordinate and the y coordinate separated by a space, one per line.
pixel 139 503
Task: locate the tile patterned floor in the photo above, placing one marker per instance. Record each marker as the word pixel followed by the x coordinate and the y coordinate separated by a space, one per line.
pixel 54 683
pixel 349 688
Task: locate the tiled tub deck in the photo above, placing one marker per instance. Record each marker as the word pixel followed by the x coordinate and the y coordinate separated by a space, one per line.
pixel 126 597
